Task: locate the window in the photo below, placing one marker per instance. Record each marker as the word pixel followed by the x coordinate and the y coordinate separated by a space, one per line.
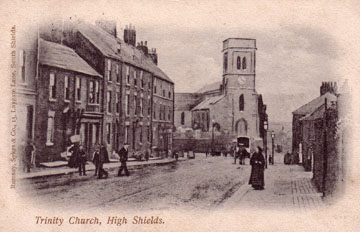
pixel 225 61
pixel 126 135
pixel 238 62
pixel 118 103
pixel 22 65
pixel 108 132
pixel 97 93
pixel 50 129
pixel 141 107
pixel 127 104
pixel 241 102
pixel 135 78
pixel 108 73
pixel 154 110
pixel 149 84
pixel 148 133
pixel 141 79
pixel 141 135
pixel 182 118
pixel 117 74
pixel 135 105
pixel 127 75
pixel 66 88
pixel 244 63
pixel 92 94
pixel 164 93
pixel 52 86
pixel 149 110
pixel 170 94
pixel 155 86
pixel 108 100
pixel 78 88
pixel 169 114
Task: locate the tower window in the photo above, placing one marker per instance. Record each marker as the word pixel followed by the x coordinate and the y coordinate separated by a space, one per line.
pixel 225 61
pixel 244 63
pixel 241 102
pixel 238 63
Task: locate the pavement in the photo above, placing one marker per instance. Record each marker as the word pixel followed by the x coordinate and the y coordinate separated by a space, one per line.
pixel 60 168
pixel 286 187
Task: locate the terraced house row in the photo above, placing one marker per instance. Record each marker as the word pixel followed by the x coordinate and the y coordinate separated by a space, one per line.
pixel 91 83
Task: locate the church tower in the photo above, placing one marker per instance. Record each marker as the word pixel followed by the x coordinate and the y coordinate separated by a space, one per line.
pixel 239 85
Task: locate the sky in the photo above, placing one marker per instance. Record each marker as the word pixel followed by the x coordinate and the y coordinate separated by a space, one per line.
pixel 299 43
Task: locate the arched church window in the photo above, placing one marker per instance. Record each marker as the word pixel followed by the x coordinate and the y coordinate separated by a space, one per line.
pixel 241 102
pixel 244 63
pixel 182 118
pixel 238 62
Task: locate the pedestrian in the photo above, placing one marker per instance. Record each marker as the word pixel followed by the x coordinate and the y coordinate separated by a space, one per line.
pixel 27 156
pixel 74 161
pixel 103 158
pixel 123 153
pixel 147 154
pixel 257 163
pixel 96 159
pixel 82 160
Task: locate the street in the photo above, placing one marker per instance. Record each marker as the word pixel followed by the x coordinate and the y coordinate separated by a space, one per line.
pixel 204 183
pixel 201 183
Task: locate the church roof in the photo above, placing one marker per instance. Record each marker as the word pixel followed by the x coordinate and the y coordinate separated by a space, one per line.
pixel 210 87
pixel 205 104
pixel 314 104
pixel 60 56
pixel 109 46
pixel 186 101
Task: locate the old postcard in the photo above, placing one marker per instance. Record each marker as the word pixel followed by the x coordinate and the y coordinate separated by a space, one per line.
pixel 179 115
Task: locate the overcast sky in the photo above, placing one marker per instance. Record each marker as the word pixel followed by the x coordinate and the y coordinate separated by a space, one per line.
pixel 300 43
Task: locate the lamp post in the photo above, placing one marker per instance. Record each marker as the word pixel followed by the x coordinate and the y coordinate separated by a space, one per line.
pixel 212 137
pixel 265 141
pixel 272 148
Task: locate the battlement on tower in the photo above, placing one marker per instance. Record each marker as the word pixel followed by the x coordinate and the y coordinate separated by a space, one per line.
pixel 239 43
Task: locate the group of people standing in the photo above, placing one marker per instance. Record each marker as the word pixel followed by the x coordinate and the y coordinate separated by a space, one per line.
pixel 100 156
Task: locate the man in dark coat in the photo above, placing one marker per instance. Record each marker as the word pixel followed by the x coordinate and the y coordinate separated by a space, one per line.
pixel 103 158
pixel 257 163
pixel 82 160
pixel 96 159
pixel 123 153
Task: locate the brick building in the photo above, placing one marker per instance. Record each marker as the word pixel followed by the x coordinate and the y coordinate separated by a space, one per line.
pixel 233 106
pixel 68 101
pixel 311 108
pixel 138 98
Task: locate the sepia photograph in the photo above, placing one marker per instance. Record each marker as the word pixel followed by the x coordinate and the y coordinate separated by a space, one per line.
pixel 180 116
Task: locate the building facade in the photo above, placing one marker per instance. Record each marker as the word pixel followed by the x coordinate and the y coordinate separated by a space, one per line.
pixel 232 107
pixel 68 102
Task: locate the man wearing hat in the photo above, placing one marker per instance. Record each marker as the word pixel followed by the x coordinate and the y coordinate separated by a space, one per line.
pixel 123 153
pixel 257 163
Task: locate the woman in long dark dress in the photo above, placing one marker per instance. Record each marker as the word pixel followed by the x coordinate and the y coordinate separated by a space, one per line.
pixel 257 163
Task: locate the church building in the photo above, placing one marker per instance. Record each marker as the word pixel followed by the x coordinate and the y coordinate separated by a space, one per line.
pixel 232 107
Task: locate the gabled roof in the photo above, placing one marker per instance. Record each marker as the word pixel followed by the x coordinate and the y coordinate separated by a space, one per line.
pixel 60 56
pixel 318 113
pixel 186 101
pixel 205 104
pixel 109 46
pixel 314 104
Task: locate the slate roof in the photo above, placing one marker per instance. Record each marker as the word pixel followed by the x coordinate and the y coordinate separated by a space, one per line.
pixel 109 46
pixel 210 87
pixel 208 102
pixel 314 104
pixel 60 56
pixel 318 113
pixel 186 101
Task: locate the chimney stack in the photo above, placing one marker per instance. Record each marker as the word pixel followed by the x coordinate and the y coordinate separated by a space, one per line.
pixel 130 35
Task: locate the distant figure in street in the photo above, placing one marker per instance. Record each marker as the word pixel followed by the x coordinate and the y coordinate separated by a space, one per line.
pixel 103 158
pixel 123 153
pixel 176 155
pixel 96 159
pixel 257 163
pixel 82 160
pixel 27 156
pixel 147 154
pixel 287 158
